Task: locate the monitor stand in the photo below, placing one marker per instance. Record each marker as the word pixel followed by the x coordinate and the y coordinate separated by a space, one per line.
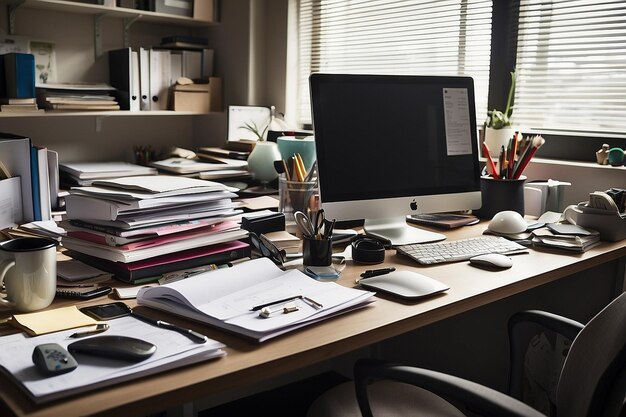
pixel 399 232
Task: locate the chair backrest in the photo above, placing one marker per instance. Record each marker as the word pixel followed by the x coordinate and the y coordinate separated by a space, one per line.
pixel 597 356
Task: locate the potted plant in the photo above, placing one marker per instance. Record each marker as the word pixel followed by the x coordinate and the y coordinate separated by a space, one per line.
pixel 497 128
pixel 261 159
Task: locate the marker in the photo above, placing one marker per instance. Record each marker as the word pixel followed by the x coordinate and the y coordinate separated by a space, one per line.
pixel 376 272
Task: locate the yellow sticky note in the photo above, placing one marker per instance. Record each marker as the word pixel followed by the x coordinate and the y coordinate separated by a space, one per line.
pixel 51 320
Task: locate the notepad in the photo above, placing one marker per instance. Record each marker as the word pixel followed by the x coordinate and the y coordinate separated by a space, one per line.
pixel 49 321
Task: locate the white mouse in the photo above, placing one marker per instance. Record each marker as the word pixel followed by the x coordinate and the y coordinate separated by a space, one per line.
pixel 508 222
pixel 492 260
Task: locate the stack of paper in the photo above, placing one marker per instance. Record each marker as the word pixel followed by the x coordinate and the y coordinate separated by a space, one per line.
pixel 232 299
pixel 173 350
pixel 76 96
pixel 140 221
pixel 214 168
pixel 573 242
pixel 84 173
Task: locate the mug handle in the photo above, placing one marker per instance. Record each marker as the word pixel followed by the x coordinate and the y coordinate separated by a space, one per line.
pixel 5 268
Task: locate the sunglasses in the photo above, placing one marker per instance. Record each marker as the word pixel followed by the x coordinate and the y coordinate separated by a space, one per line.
pixel 266 248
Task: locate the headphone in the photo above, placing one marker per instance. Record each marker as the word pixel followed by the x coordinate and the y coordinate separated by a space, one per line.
pixel 369 249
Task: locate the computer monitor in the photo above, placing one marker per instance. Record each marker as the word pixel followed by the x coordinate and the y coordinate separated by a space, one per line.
pixel 389 146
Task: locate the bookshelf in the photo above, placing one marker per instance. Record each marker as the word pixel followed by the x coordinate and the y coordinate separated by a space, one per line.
pixel 82 34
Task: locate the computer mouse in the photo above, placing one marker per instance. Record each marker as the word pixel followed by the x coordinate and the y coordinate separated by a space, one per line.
pixel 118 347
pixel 508 222
pixel 492 260
pixel 406 284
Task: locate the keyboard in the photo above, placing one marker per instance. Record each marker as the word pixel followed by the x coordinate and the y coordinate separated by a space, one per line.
pixel 459 250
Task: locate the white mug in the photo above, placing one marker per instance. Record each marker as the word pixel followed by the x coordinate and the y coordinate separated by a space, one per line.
pixel 28 269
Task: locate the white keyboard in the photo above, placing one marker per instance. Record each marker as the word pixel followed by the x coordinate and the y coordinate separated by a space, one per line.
pixel 459 250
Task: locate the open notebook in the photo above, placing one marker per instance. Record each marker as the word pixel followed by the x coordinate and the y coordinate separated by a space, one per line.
pixel 225 298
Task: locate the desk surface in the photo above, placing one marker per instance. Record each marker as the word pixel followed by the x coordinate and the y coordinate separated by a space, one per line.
pixel 247 363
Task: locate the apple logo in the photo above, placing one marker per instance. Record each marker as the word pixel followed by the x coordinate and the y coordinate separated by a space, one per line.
pixel 413 205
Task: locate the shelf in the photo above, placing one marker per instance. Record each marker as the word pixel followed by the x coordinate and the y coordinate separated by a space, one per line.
pixel 93 9
pixel 116 113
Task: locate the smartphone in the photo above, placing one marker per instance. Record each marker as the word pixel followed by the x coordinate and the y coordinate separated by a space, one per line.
pixel 83 293
pixel 107 311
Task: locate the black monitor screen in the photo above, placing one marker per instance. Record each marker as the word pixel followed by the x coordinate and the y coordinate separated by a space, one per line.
pixel 383 136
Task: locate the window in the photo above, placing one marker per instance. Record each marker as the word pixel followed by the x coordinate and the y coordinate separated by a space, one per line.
pixel 394 37
pixel 571 66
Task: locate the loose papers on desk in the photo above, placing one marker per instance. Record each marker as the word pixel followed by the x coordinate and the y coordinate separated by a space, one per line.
pixel 191 166
pixel 224 298
pixel 173 350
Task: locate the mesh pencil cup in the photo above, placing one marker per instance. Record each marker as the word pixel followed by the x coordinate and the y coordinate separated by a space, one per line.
pixel 296 196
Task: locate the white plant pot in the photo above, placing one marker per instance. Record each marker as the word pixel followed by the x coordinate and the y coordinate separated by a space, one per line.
pixel 261 161
pixel 495 139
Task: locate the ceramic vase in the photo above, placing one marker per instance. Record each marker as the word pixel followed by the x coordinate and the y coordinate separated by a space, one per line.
pixel 495 139
pixel 261 161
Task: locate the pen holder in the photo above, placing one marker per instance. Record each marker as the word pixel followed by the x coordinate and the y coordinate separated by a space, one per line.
pixel 317 252
pixel 501 195
pixel 296 196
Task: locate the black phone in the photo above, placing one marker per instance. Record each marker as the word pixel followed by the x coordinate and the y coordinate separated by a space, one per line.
pixel 107 311
pixel 83 294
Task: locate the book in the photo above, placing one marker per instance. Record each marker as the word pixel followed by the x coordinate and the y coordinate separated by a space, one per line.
pixel 123 74
pixel 19 71
pixel 16 157
pixel 222 152
pixel 134 272
pixel 233 298
pixel 159 246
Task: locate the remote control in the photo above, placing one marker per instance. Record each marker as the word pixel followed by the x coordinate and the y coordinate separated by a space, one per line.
pixel 53 359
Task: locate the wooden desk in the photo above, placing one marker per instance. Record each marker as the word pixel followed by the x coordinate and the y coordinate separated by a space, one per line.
pixel 249 364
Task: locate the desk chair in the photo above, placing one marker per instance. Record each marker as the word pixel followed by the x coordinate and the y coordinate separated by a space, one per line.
pixel 592 381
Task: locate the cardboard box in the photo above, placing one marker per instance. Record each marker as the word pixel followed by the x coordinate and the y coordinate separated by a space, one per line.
pixel 204 10
pixel 202 98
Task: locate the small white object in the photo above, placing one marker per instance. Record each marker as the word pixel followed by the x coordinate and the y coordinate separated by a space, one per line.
pixel 492 260
pixel 508 222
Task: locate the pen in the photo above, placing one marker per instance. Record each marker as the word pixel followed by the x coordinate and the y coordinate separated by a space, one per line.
pixel 375 272
pixel 100 327
pixel 284 300
pixel 195 336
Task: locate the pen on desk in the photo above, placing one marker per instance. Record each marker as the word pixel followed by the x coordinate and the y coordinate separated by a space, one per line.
pixel 100 327
pixel 284 300
pixel 376 272
pixel 195 336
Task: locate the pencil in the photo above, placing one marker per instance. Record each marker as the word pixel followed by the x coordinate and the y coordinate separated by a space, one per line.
pixel 538 141
pixel 492 166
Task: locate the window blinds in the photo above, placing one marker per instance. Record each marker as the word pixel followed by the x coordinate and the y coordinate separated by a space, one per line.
pixel 571 66
pixel 394 37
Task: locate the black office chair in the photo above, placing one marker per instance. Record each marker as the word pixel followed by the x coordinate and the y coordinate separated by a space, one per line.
pixel 592 381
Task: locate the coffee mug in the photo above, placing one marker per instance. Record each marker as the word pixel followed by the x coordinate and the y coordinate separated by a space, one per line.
pixel 28 269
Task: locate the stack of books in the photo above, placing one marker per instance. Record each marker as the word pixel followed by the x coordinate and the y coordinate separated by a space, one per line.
pixel 76 97
pixel 19 105
pixel 139 228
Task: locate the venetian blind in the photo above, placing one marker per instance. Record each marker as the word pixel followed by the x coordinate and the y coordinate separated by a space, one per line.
pixel 571 65
pixel 442 37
